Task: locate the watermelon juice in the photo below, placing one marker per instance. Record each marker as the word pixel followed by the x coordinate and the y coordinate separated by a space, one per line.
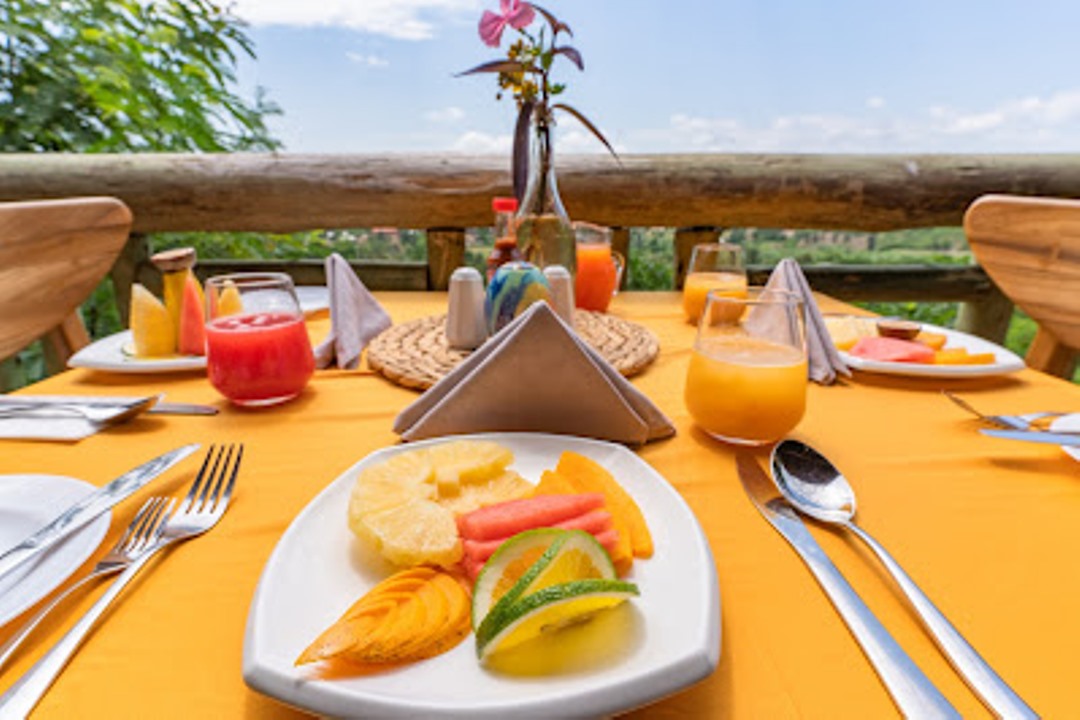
pixel 259 358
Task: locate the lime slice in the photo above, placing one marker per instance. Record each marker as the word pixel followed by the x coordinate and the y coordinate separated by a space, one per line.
pixel 533 560
pixel 548 610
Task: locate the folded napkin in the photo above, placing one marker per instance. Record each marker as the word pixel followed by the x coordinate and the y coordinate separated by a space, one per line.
pixel 535 375
pixel 822 357
pixel 62 422
pixel 355 317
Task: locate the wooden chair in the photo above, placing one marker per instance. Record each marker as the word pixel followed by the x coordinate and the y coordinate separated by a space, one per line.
pixel 53 253
pixel 1030 247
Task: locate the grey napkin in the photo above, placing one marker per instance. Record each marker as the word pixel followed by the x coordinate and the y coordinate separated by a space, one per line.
pixel 355 317
pixel 63 423
pixel 822 357
pixel 535 375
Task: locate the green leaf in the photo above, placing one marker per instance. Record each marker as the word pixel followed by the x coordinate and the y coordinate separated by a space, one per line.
pixel 498 66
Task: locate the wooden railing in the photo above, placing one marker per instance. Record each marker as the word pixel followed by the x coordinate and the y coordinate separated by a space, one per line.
pixel 444 194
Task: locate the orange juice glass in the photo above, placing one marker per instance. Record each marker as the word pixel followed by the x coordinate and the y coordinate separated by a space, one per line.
pixel 746 383
pixel 713 266
pixel 599 268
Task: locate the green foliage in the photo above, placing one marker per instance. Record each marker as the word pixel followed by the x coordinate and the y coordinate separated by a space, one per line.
pixel 124 75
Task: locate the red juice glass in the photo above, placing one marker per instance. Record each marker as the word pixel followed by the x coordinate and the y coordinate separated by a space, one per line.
pixel 257 347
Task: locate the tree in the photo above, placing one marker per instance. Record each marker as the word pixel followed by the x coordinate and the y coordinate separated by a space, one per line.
pixel 125 75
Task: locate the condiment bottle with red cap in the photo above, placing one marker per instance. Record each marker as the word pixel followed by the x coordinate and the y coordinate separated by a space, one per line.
pixel 506 248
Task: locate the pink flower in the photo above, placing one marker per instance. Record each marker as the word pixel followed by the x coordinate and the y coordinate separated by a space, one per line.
pixel 515 13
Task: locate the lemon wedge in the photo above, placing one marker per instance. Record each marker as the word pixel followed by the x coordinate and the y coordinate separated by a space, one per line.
pixel 548 610
pixel 533 560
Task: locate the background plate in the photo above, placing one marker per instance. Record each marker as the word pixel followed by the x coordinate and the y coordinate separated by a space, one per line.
pixel 28 503
pixel 1006 361
pixel 318 570
pixel 1068 423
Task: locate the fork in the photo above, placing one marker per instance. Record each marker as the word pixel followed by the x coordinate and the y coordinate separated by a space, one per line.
pixel 199 511
pixel 1009 422
pixel 135 540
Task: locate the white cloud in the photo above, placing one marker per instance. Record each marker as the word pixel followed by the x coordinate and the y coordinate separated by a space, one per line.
pixel 446 115
pixel 481 143
pixel 400 19
pixel 367 60
pixel 875 103
pixel 1031 124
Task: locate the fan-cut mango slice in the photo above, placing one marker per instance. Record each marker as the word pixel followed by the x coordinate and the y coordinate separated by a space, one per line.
pixel 412 615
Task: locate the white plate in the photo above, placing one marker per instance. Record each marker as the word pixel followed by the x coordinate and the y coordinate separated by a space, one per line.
pixel 108 353
pixel 1068 423
pixel 28 503
pixel 318 570
pixel 1005 361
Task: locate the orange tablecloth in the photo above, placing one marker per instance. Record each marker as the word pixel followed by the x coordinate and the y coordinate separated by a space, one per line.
pixel 989 528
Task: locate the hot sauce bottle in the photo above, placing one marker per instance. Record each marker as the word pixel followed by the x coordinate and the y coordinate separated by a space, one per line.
pixel 506 248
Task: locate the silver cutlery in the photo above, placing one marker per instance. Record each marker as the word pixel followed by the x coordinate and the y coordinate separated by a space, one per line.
pixel 135 540
pixel 908 686
pixel 815 487
pixel 1008 422
pixel 89 508
pixel 107 411
pixel 1068 439
pixel 199 511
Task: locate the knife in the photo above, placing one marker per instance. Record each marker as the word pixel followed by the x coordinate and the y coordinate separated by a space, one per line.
pixel 1039 436
pixel 175 408
pixel 910 689
pixel 90 507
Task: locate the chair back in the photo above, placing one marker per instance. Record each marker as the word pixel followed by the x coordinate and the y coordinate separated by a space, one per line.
pixel 53 253
pixel 1030 247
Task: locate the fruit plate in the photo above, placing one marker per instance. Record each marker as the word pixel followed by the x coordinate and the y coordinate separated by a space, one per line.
pixel 111 353
pixel 1005 361
pixel 650 647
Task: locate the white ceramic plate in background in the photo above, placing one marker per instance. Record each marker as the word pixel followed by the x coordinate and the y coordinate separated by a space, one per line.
pixel 109 353
pixel 1005 361
pixel 28 503
pixel 317 571
pixel 1068 423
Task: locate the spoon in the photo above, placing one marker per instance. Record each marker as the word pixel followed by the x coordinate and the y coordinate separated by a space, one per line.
pixel 815 487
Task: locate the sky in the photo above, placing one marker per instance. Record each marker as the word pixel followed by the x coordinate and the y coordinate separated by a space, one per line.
pixel 674 76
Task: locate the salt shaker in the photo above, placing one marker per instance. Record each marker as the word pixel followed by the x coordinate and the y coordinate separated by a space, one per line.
pixel 466 328
pixel 562 292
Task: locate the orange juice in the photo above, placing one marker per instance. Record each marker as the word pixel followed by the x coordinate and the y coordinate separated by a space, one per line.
pixel 746 389
pixel 697 287
pixel 597 277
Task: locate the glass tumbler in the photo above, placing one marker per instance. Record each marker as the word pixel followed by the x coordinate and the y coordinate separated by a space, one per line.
pixel 257 347
pixel 599 268
pixel 713 266
pixel 746 383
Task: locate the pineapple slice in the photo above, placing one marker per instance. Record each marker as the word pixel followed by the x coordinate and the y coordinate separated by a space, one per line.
pixel 505 486
pixel 406 505
pixel 417 532
pixel 467 461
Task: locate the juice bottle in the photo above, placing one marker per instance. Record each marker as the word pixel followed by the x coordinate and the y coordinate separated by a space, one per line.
pixel 506 247
pixel 599 268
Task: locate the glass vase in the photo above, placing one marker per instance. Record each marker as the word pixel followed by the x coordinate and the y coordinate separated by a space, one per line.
pixel 544 232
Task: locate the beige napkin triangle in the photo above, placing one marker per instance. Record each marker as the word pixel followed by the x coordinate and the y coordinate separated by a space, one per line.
pixel 356 317
pixel 822 357
pixel 535 375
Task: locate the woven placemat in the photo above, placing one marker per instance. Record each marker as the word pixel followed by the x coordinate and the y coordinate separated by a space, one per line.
pixel 415 354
